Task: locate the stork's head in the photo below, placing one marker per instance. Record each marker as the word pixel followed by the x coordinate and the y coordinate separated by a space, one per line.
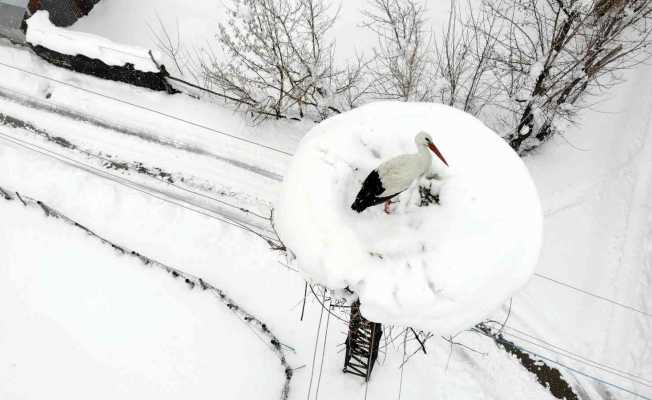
pixel 424 139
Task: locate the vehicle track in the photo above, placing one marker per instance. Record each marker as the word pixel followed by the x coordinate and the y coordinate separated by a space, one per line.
pixel 32 102
pixel 171 191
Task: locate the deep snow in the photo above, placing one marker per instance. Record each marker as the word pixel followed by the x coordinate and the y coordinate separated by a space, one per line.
pixel 79 320
pixel 242 265
pixel 594 184
pixel 440 268
pixel 41 32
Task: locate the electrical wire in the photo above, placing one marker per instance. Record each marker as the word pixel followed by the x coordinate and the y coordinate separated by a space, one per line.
pixel 239 225
pixel 141 107
pixel 569 368
pixel 314 355
pixel 235 137
pixel 580 360
pixel 323 352
pixel 597 296
pixel 584 360
pixel 222 202
pixel 127 183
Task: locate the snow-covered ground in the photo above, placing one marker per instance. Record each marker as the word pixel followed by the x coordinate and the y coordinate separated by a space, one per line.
pixel 78 321
pixel 238 263
pixel 192 144
pixel 596 187
pixel 42 32
pixel 76 316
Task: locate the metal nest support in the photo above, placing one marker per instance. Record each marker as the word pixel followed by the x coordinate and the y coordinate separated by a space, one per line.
pixel 362 344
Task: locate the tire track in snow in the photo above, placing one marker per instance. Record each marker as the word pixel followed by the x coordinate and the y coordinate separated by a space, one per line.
pixel 637 244
pixel 139 168
pixel 631 274
pixel 31 102
pixel 193 281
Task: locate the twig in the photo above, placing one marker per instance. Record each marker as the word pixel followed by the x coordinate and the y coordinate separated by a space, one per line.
pixel 312 289
pixel 509 312
pixel 453 343
pixel 423 346
pixel 305 294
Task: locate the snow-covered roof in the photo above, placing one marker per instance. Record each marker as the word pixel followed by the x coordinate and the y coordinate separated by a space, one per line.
pixel 40 31
pixel 442 267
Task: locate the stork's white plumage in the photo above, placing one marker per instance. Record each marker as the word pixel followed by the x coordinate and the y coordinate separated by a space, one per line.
pixel 397 174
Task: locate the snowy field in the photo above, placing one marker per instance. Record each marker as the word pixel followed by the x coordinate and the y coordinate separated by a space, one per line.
pixel 80 320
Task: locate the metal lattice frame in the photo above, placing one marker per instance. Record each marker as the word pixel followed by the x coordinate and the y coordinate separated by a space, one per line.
pixel 361 344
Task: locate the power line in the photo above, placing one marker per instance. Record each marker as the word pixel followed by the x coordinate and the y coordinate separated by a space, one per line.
pixel 119 180
pixel 314 355
pixel 323 352
pixel 225 203
pixel 130 184
pixel 588 362
pixel 275 150
pixel 567 367
pixel 597 296
pixel 587 375
pixel 235 137
pixel 185 121
pixel 234 206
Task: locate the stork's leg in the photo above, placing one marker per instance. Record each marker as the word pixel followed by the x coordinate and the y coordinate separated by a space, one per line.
pixel 387 203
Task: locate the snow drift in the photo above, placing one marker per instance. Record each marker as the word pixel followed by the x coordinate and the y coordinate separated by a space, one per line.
pixel 441 267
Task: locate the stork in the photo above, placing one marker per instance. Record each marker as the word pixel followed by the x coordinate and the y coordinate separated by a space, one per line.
pixel 396 175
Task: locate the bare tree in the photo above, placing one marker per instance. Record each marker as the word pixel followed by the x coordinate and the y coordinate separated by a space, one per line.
pixel 169 44
pixel 553 54
pixel 463 59
pixel 186 61
pixel 278 58
pixel 400 68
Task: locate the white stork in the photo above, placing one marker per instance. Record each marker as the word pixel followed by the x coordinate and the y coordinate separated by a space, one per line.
pixel 396 175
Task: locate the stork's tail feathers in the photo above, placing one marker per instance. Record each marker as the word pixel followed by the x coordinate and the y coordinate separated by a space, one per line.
pixel 371 188
pixel 359 205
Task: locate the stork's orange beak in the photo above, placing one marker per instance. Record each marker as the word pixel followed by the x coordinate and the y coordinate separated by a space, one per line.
pixel 435 150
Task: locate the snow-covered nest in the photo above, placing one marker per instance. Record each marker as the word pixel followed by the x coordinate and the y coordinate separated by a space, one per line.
pixel 441 267
pixel 41 32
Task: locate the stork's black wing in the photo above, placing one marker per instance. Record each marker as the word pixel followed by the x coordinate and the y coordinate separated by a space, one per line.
pixel 369 194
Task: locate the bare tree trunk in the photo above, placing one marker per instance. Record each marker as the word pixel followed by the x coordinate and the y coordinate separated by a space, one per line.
pixel 560 52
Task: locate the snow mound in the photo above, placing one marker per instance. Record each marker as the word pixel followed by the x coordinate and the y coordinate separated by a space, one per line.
pixel 41 32
pixel 441 267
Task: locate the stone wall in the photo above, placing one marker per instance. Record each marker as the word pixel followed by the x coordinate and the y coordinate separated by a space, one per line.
pixel 90 66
